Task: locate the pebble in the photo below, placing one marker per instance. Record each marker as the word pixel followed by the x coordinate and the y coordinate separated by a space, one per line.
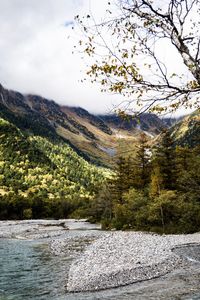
pixel 110 259
pixel 122 258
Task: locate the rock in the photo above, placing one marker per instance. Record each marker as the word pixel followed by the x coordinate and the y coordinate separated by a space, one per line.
pixel 122 258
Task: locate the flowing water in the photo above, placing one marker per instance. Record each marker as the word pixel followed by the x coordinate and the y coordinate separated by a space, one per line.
pixel 29 270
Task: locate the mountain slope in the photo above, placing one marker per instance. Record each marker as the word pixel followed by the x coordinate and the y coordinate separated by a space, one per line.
pixel 146 122
pixel 187 131
pixel 39 116
pixel 35 171
pixel 93 137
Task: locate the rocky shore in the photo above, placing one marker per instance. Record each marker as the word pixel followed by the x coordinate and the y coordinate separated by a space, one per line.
pixel 41 229
pixel 98 260
pixel 32 229
pixel 123 258
pixel 66 237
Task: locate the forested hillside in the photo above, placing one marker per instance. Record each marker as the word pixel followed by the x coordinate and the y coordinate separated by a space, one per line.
pixel 43 174
pixel 40 178
pixel 154 189
pixel 93 137
pixel 187 131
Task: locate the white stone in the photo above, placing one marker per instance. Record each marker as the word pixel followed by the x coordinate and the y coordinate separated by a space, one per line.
pixel 122 258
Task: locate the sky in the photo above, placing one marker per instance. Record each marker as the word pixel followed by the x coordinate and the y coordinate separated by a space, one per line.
pixel 36 44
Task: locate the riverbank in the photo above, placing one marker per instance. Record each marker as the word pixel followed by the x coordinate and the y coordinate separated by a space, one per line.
pixel 94 260
pixel 37 256
pixel 122 258
pixel 41 229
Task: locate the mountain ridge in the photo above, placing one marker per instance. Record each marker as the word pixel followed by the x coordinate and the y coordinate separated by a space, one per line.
pixel 186 132
pixel 91 135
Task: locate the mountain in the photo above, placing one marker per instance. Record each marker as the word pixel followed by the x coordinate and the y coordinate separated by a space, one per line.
pixel 149 123
pixel 93 137
pixel 50 155
pixel 187 131
pixel 41 178
pixel 169 122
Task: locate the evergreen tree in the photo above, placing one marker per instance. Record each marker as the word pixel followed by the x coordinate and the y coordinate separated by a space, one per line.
pixel 164 158
pixel 141 167
pixel 102 205
pixel 121 181
pixel 156 182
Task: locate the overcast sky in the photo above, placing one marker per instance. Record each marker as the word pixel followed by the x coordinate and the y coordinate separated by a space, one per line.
pixel 36 44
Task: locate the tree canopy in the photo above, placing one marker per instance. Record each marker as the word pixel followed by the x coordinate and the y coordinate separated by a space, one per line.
pixel 157 192
pixel 132 47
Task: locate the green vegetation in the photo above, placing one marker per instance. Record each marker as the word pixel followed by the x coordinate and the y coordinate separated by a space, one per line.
pixel 155 190
pixel 41 179
pixel 187 132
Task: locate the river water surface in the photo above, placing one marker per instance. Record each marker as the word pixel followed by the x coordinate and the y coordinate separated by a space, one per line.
pixel 29 270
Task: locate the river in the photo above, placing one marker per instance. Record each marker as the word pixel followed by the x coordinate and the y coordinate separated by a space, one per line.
pixel 29 269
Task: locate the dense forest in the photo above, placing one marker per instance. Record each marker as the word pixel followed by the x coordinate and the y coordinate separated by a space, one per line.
pixel 40 178
pixel 154 189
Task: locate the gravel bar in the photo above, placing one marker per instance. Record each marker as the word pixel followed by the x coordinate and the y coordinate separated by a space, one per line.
pixel 40 229
pixel 122 258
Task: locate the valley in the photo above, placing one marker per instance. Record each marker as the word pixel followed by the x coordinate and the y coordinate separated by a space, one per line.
pixel 60 162
pixel 100 150
pixel 89 135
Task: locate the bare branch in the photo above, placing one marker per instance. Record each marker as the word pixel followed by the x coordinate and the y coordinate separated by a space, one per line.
pixel 134 35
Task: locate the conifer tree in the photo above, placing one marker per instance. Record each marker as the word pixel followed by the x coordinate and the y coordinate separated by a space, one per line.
pixel 121 183
pixel 141 166
pixel 156 182
pixel 165 159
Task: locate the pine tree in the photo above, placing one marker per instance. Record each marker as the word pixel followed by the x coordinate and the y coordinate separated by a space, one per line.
pixel 165 158
pixel 156 182
pixel 121 182
pixel 141 166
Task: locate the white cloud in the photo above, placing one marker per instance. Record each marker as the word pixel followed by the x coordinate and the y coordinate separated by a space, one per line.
pixel 36 51
pixel 36 47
